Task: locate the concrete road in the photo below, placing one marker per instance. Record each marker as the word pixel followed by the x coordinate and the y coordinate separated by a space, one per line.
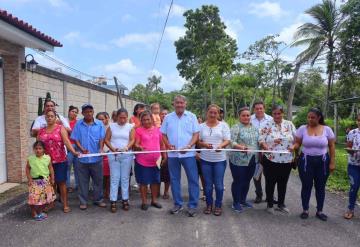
pixel 253 227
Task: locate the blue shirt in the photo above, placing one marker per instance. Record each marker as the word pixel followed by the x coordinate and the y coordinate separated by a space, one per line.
pixel 179 131
pixel 89 137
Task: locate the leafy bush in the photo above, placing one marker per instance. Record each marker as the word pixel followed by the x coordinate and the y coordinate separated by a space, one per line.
pixel 301 117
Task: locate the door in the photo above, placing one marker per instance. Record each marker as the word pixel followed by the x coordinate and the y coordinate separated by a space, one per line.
pixel 3 172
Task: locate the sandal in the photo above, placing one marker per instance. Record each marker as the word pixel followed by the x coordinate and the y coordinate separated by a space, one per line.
pixel 304 215
pixel 349 214
pixel 144 206
pixel 166 196
pixel 66 209
pixel 113 207
pixel 217 211
pixel 156 205
pixel 208 209
pixel 125 205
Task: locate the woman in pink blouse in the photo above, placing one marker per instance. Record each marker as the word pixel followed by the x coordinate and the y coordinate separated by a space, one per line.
pixel 148 138
pixel 55 137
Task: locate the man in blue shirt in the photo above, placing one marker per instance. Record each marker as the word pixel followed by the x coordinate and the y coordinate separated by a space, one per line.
pixel 180 130
pixel 89 134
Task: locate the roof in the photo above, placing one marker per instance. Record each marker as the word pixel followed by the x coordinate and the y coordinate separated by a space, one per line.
pixel 26 27
pixel 347 100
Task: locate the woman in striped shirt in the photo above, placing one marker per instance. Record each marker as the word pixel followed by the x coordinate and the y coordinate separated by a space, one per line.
pixel 213 135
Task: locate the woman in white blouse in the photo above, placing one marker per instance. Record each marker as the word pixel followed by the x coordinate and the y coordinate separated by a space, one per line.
pixel 214 135
pixel 120 136
pixel 277 135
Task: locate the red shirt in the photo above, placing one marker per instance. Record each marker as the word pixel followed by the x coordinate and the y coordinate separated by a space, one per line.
pixel 135 121
pixel 54 145
pixel 72 125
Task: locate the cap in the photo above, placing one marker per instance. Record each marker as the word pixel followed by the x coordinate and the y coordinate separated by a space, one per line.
pixel 86 106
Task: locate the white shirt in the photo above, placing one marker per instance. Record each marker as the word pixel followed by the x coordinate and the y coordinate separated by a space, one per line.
pixel 120 134
pixel 40 122
pixel 215 136
pixel 260 123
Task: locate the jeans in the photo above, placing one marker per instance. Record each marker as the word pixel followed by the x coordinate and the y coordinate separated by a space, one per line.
pixel 354 176
pixel 313 170
pixel 120 167
pixel 276 174
pixel 213 173
pixel 95 172
pixel 241 180
pixel 72 161
pixel 189 164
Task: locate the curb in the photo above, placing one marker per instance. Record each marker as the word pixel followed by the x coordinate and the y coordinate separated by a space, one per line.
pixel 13 204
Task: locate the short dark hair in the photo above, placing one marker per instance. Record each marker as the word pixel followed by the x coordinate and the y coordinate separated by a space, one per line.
pixel 318 113
pixel 137 107
pixel 277 107
pixel 104 113
pixel 245 108
pixel 73 108
pixel 121 110
pixel 49 100
pixel 259 102
pixel 145 113
pixel 38 143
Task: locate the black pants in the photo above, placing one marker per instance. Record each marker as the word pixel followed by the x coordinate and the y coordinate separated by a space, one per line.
pixel 276 174
pixel 258 187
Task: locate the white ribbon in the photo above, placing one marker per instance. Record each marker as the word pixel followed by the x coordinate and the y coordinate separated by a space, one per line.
pixel 186 150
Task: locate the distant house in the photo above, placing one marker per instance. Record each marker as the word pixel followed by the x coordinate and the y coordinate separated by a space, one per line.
pixel 103 82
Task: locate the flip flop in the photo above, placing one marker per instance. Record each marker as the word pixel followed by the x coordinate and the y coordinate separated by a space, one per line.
pixel 66 209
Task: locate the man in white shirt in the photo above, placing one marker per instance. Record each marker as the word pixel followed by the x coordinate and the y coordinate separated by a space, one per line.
pixel 259 120
pixel 40 121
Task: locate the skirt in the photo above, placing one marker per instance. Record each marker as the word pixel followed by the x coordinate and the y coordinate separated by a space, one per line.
pixel 106 168
pixel 164 174
pixel 41 192
pixel 147 175
pixel 60 171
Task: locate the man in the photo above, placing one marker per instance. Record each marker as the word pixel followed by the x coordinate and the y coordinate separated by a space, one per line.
pixel 181 131
pixel 259 120
pixel 40 121
pixel 89 134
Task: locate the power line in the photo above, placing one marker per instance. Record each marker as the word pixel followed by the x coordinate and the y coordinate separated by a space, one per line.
pixel 162 35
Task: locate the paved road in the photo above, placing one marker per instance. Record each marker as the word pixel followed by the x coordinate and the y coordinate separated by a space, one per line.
pixel 254 227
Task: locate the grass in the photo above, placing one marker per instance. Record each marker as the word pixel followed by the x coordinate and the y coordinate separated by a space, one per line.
pixel 338 181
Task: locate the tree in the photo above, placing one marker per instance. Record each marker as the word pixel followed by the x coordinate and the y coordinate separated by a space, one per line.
pixel 139 93
pixel 321 38
pixel 268 50
pixel 206 53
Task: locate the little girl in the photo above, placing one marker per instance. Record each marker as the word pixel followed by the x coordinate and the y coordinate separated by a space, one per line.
pixel 105 119
pixel 148 138
pixel 40 175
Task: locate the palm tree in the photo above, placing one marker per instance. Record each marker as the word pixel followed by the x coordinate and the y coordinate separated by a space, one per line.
pixel 321 38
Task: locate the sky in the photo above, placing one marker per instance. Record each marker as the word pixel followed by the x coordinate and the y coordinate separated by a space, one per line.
pixel 120 37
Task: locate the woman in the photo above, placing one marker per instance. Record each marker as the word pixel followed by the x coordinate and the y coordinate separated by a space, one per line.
pixel 55 137
pixel 353 143
pixel 277 135
pixel 105 119
pixel 214 134
pixel 72 160
pixel 120 137
pixel 135 118
pixel 164 170
pixel 315 163
pixel 148 137
pixel 242 164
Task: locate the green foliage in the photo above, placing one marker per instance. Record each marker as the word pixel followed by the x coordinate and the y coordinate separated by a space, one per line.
pixel 301 117
pixel 339 180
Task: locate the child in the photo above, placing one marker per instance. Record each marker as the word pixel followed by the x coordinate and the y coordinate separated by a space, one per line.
pixel 105 118
pixel 40 175
pixel 155 111
pixel 148 137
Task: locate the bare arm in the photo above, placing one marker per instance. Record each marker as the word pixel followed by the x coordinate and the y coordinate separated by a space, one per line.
pixel 131 139
pixel 51 169
pixel 332 155
pixel 65 138
pixel 107 140
pixel 166 142
pixel 27 171
pixel 82 149
pixel 34 132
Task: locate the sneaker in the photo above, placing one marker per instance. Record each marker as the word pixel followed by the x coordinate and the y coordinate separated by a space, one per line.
pixel 237 208
pixel 176 209
pixel 270 210
pixel 283 209
pixel 258 199
pixel 246 205
pixel 192 212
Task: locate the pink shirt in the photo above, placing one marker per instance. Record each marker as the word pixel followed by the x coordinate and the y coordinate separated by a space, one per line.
pixel 54 145
pixel 149 139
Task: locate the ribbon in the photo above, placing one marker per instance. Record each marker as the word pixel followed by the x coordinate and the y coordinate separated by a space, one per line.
pixel 184 150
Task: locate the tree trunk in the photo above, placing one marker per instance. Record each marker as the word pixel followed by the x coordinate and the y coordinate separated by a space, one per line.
pixel 292 91
pixel 224 98
pixel 330 70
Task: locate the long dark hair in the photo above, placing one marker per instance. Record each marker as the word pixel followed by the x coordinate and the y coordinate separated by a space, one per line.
pixel 137 107
pixel 318 113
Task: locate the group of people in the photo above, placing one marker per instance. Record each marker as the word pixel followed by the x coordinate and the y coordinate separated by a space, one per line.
pixel 155 145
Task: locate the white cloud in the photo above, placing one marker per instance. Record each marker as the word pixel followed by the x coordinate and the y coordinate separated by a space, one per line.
pixel 267 9
pixel 124 66
pixel 173 33
pixel 176 10
pixel 287 33
pixel 127 18
pixel 169 82
pixel 233 27
pixel 148 39
pixel 75 38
